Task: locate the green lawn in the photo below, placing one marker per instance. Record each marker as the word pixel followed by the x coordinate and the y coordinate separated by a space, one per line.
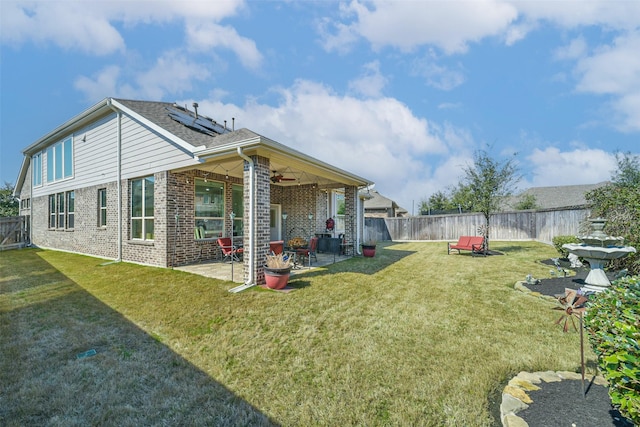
pixel 411 337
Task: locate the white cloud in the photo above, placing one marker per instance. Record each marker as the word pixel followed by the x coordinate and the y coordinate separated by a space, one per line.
pixel 577 48
pixel 90 27
pixel 449 106
pixel 378 139
pixel 453 25
pixel 371 83
pixel 172 74
pixel 579 166
pixel 620 14
pixel 406 25
pixel 208 35
pixel 615 70
pixel 438 76
pixel 70 25
pixel 103 84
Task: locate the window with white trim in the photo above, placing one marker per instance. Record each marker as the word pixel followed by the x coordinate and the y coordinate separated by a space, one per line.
pixel 62 210
pixel 338 210
pixel 102 207
pixel 36 168
pixel 209 208
pixel 142 208
pixel 237 204
pixel 71 207
pixel 60 160
pixel 53 211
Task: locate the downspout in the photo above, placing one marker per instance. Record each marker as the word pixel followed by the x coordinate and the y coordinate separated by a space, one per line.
pixel 119 174
pixel 359 223
pixel 252 226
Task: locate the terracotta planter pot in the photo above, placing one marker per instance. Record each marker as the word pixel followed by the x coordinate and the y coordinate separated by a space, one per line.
pixel 368 251
pixel 276 278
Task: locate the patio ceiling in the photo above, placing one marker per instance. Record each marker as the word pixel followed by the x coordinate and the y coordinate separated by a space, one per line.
pixel 301 169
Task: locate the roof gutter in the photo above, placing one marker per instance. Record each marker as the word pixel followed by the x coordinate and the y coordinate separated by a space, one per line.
pixel 252 224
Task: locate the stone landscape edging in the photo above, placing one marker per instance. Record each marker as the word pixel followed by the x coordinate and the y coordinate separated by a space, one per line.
pixel 516 399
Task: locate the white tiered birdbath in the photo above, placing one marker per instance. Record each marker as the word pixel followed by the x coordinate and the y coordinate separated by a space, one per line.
pixel 598 249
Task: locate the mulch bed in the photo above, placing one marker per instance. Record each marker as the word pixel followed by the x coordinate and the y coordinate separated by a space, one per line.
pixel 562 403
pixel 555 285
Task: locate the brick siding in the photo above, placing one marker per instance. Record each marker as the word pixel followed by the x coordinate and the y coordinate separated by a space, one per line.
pixel 174 241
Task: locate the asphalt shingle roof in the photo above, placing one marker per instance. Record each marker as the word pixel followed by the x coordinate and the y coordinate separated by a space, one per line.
pixel 558 196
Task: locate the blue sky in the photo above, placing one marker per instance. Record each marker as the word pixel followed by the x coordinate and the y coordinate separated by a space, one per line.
pixel 401 93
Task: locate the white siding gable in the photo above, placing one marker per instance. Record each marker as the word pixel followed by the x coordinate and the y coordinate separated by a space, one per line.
pixel 144 151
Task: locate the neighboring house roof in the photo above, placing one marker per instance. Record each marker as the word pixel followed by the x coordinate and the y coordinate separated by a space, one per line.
pixel 379 202
pixel 557 196
pixel 218 143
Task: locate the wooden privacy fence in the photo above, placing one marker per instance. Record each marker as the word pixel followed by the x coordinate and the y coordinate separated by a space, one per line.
pixel 541 225
pixel 14 232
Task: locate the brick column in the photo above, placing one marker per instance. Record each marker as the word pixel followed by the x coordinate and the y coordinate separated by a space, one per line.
pixel 262 204
pixel 350 215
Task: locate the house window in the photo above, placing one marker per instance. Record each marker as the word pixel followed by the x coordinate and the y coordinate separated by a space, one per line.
pixel 102 207
pixel 36 165
pixel 71 202
pixel 338 210
pixel 142 208
pixel 25 203
pixel 60 207
pixel 52 211
pixel 59 217
pixel 60 160
pixel 209 213
pixel 237 205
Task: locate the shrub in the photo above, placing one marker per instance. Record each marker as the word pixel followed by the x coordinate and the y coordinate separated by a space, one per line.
pixel 619 203
pixel 279 261
pixel 613 323
pixel 558 241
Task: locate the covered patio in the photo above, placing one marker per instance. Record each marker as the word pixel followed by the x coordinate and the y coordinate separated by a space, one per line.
pixel 261 191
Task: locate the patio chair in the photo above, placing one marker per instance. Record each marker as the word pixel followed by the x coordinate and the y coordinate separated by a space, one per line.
pixel 309 251
pixel 229 252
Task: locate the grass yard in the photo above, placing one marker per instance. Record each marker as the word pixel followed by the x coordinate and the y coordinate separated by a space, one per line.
pixel 411 337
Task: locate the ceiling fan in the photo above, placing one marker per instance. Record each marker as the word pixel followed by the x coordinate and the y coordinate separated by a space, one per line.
pixel 279 178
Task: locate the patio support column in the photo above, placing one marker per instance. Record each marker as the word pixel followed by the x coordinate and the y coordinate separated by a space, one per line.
pixel 350 215
pixel 261 205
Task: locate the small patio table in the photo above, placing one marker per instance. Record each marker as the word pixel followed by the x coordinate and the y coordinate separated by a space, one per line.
pixel 291 253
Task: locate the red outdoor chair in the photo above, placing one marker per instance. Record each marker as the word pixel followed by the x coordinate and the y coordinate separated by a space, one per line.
pixel 229 252
pixel 309 251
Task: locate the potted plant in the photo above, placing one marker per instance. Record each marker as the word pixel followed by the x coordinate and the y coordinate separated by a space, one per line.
pixel 277 271
pixel 369 248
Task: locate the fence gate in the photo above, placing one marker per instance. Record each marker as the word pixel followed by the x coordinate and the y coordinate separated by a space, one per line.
pixel 14 232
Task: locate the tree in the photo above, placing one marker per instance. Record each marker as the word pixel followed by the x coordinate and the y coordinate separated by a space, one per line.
pixel 619 203
pixel 489 182
pixel 628 172
pixel 528 201
pixel 8 203
pixel 423 207
pixel 461 198
pixel 439 201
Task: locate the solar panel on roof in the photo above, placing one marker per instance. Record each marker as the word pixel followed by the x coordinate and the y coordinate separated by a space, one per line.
pixel 200 124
